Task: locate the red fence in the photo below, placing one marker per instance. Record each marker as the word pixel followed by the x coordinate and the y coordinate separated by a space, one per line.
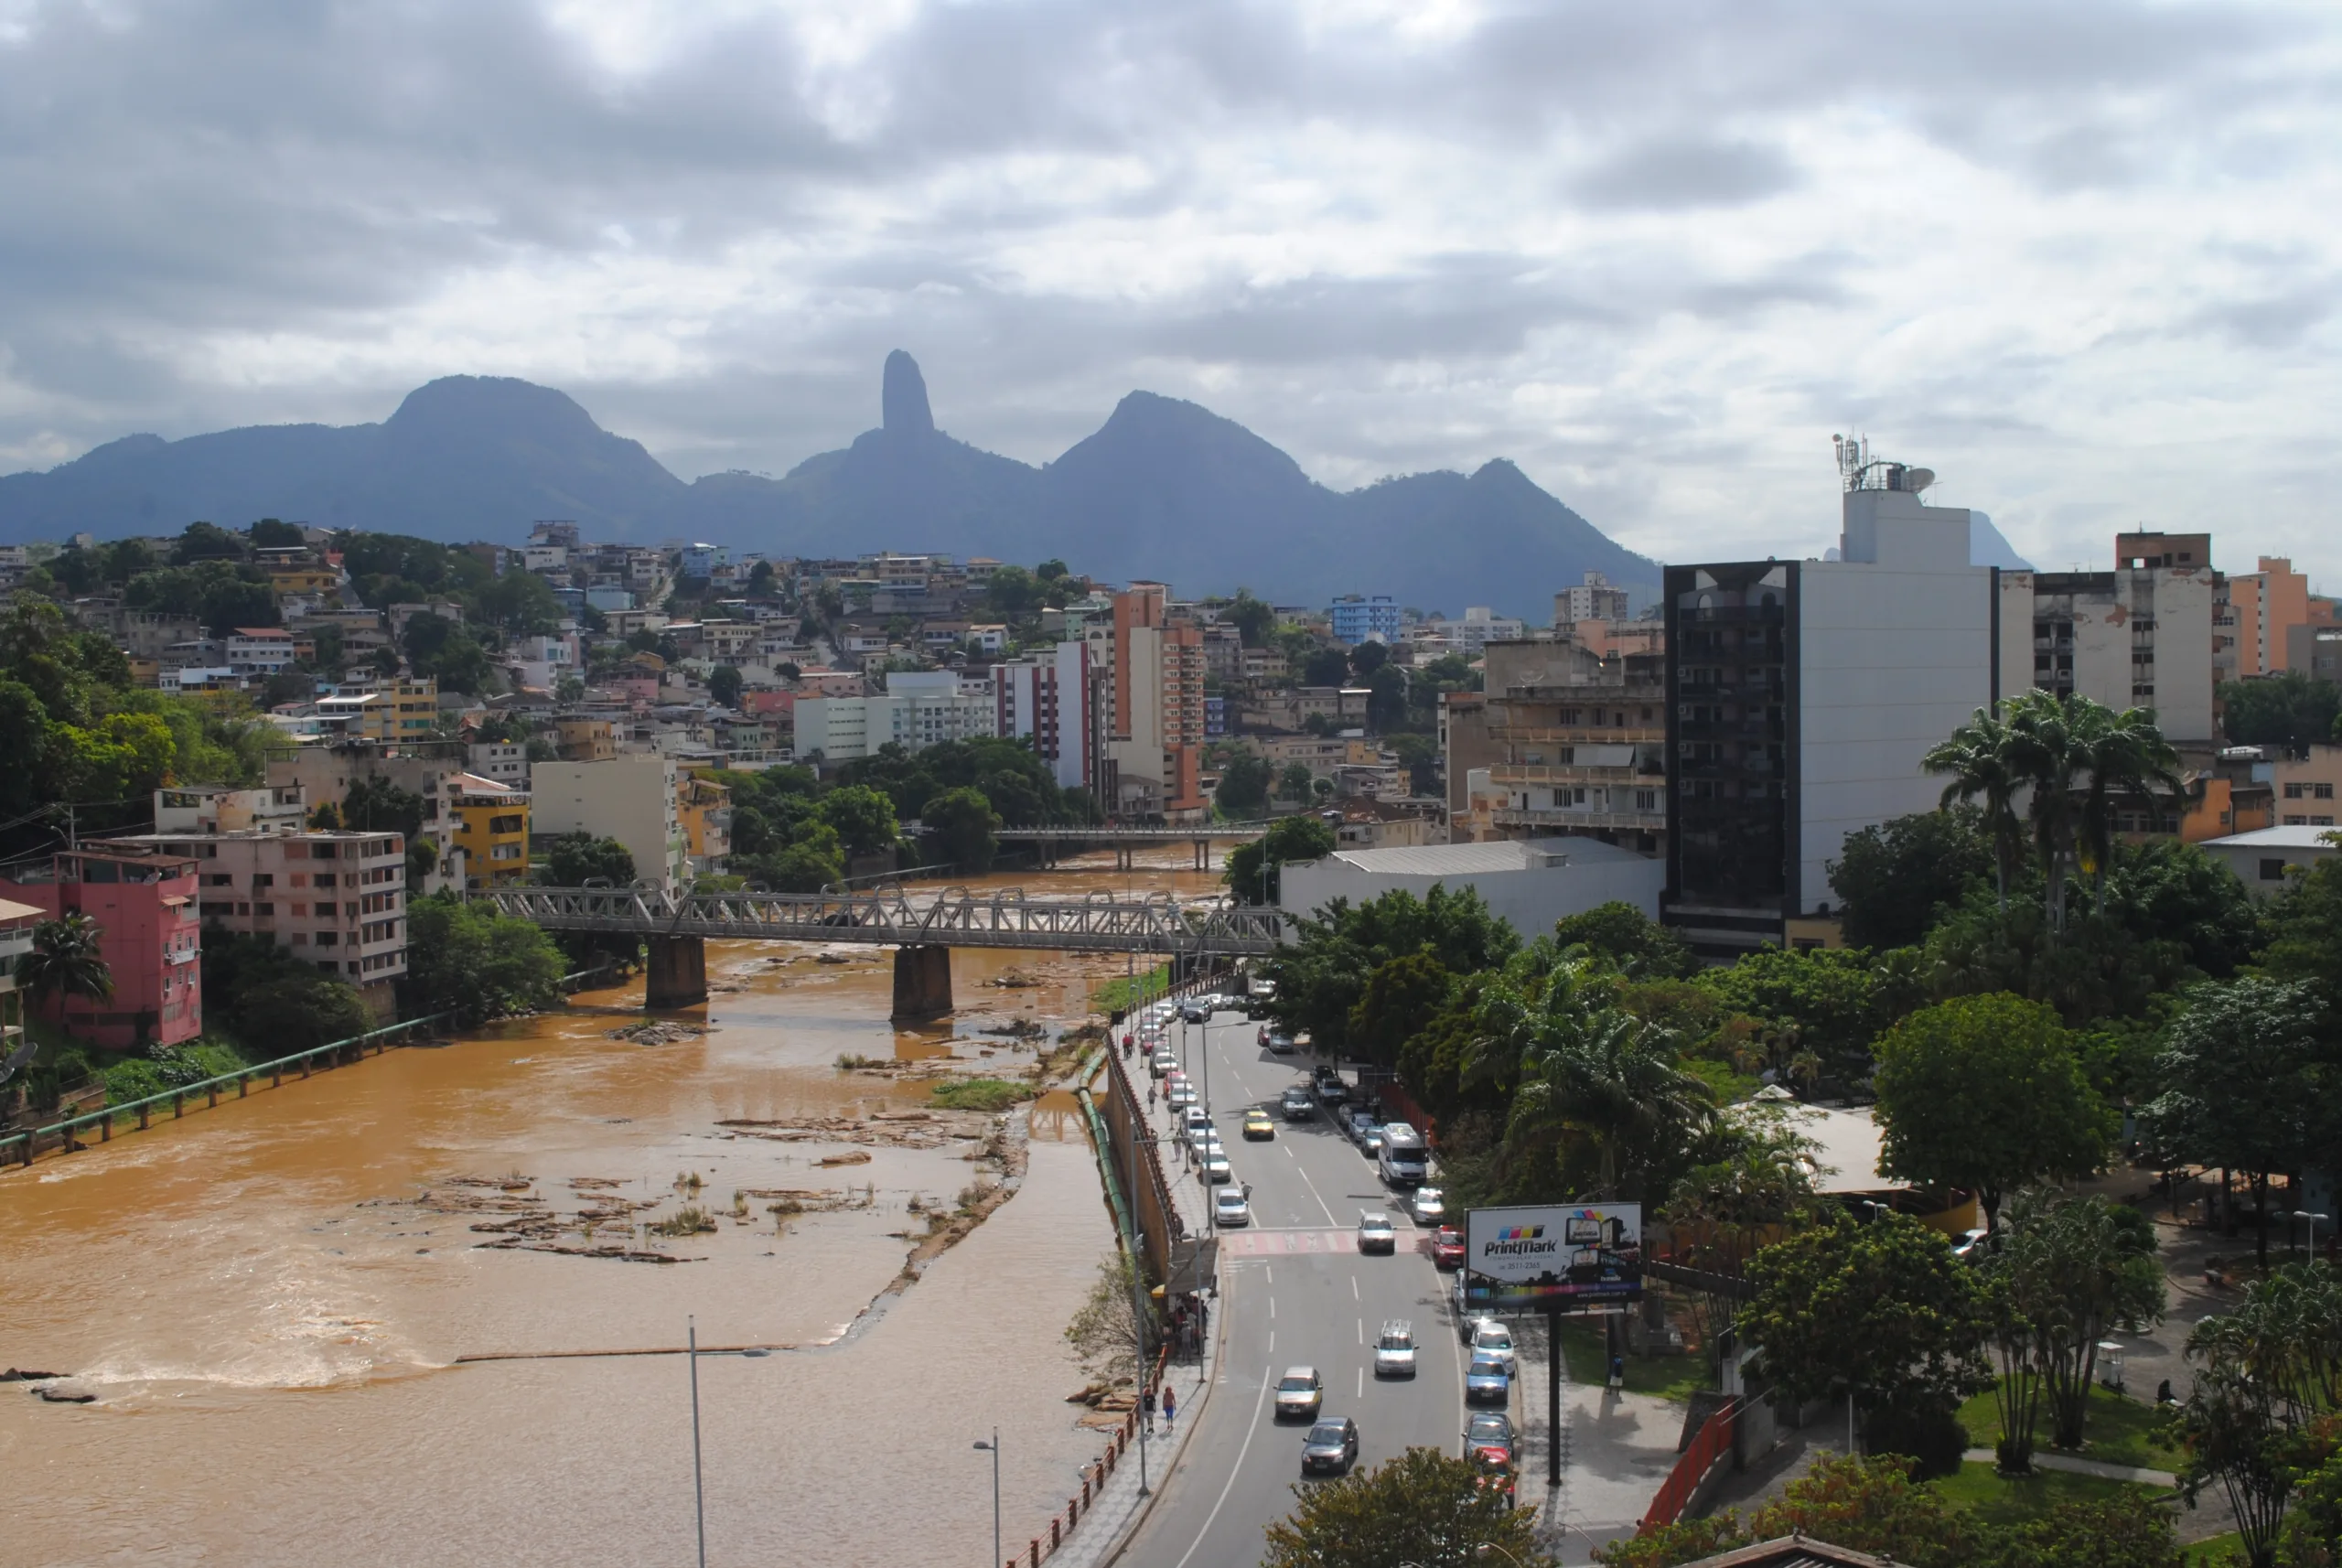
pixel 1710 1446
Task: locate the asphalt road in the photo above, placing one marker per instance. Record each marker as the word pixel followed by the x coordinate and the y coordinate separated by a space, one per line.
pixel 1295 1292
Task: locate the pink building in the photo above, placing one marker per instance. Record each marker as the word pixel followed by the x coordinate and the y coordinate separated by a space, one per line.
pixel 144 903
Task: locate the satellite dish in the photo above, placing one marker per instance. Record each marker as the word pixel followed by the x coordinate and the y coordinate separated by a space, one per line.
pixel 1918 479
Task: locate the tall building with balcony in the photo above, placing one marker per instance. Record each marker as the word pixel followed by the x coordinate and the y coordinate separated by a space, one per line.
pixel 1803 695
pixel 491 828
pixel 2145 635
pixel 144 902
pixel 1576 746
pixel 1046 698
pixel 336 899
pixel 1155 670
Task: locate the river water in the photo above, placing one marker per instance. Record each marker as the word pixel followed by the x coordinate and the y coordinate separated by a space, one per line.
pixel 270 1299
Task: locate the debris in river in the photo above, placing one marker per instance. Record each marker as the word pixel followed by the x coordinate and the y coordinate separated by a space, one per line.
pixel 851 1157
pixel 657 1032
pixel 1018 1029
pixel 18 1375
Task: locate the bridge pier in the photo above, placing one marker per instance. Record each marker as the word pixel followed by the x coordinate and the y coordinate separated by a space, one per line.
pixel 922 981
pixel 677 973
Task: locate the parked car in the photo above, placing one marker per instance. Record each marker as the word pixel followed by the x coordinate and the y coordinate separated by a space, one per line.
pixel 1490 1432
pixel 1447 1247
pixel 1181 1094
pixel 1394 1351
pixel 1429 1206
pixel 1493 1340
pixel 1330 1088
pixel 1371 1146
pixel 1261 1037
pixel 1357 1124
pixel 1299 1392
pixel 1486 1381
pixel 1193 1119
pixel 1969 1245
pixel 1499 1476
pixel 1297 1105
pixel 1162 1063
pixel 1258 1125
pixel 1280 1043
pixel 1331 1447
pixel 1216 1168
pixel 1229 1207
pixel 1377 1234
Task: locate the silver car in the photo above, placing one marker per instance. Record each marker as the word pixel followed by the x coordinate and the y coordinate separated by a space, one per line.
pixel 1429 1206
pixel 1377 1234
pixel 1299 1392
pixel 1394 1352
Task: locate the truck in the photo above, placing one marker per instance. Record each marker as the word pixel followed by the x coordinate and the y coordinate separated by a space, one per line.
pixel 1404 1158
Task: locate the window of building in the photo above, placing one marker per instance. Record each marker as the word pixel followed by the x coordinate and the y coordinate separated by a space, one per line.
pixel 2273 871
pixel 2321 821
pixel 2321 791
pixel 328 939
pixel 222 879
pixel 2293 791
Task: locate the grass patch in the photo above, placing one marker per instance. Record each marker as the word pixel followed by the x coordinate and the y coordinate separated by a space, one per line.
pixel 1669 1377
pixel 2217 1551
pixel 1121 996
pixel 1997 1500
pixel 981 1094
pixel 2119 1430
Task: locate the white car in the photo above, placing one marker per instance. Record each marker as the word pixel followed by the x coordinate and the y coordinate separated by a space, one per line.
pixel 1229 1207
pixel 1394 1352
pixel 1428 1205
pixel 1377 1234
pixel 1216 1169
pixel 1492 1341
pixel 1194 1119
pixel 1181 1095
pixel 1299 1392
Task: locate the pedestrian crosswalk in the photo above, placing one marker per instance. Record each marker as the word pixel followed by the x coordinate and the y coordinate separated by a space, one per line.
pixel 1274 1243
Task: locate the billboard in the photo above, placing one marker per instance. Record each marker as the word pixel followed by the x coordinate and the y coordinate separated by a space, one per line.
pixel 1587 1256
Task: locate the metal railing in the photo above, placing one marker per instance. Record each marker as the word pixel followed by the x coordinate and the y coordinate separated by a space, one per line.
pixel 886 916
pixel 1137 835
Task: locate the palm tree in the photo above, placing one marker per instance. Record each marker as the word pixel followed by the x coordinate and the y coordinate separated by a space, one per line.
pixel 2128 759
pixel 66 960
pixel 1590 1068
pixel 1977 757
pixel 2046 753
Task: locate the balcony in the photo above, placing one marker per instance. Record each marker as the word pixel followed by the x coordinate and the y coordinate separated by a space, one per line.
pixel 1631 821
pixel 1577 735
pixel 1571 773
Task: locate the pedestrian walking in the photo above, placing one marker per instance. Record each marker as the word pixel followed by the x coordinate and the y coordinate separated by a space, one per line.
pixel 1147 1400
pixel 1150 1100
pixel 1170 1408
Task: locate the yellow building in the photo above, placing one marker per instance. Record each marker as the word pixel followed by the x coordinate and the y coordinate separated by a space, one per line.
pixel 705 810
pixel 492 829
pixel 584 740
pixel 305 581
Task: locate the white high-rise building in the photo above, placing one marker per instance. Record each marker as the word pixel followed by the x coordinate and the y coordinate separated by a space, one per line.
pixel 1046 697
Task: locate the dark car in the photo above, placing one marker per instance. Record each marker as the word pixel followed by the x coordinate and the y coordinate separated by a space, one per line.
pixel 1297 1105
pixel 1331 1447
pixel 1194 1012
pixel 1486 1383
pixel 1447 1247
pixel 1491 1433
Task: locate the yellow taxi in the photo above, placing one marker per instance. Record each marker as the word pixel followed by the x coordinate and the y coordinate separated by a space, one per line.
pixel 1258 1125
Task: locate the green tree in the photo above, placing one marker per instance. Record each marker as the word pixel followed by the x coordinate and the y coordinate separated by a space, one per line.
pixel 1368 657
pixel 2250 1073
pixel 724 686
pixel 864 819
pixel 1883 1312
pixel 1422 1507
pixel 1401 996
pixel 1321 975
pixel 2301 928
pixel 1386 699
pixel 574 859
pixel 1638 945
pixel 234 603
pixel 67 960
pixel 1980 759
pixel 24 738
pixel 375 805
pixel 1326 667
pixel 962 824
pixel 1836 1000
pixel 206 542
pixel 1893 877
pixel 1986 1093
pixel 272 533
pixel 1244 780
pixel 1255 869
pixel 2291 709
pixel 1253 617
pixel 471 960
pixel 272 1002
pixel 1294 784
pixel 440 650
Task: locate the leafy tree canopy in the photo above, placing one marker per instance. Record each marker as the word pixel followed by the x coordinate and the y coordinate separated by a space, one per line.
pixel 576 858
pixel 1421 1508
pixel 1255 875
pixel 1894 877
pixel 467 959
pixel 1638 945
pixel 2292 709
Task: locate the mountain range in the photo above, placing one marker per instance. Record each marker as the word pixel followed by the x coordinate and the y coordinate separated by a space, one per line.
pixel 1164 490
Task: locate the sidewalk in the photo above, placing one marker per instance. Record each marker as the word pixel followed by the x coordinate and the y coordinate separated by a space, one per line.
pixel 1116 1512
pixel 1617 1449
pixel 2075 1465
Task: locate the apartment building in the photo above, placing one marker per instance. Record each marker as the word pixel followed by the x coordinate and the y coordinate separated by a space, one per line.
pixel 2140 636
pixel 218 807
pixel 315 775
pixel 505 762
pixel 632 798
pixel 399 710
pixel 918 710
pixel 1047 698
pixel 584 740
pixel 2262 610
pixel 1579 746
pixel 1803 695
pixel 2315 651
pixel 261 650
pixel 144 902
pixel 1594 599
pixel 492 819
pixel 1364 618
pixel 705 808
pixel 1155 719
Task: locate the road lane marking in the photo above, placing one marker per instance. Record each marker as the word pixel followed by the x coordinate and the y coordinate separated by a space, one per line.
pixel 1267 1378
pixel 1354 1295
pixel 1268 1274
pixel 1272 1309
pixel 1316 1194
pixel 1273 1341
pixel 1361 1382
pixel 1361 1330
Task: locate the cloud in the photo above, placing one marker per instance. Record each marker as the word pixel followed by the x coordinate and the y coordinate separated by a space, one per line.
pixel 2076 257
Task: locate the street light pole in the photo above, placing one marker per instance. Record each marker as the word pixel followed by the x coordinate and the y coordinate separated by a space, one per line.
pixel 699 1486
pixel 2312 1218
pixel 994 1446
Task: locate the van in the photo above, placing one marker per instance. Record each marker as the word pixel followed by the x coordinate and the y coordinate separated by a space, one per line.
pixel 1404 1159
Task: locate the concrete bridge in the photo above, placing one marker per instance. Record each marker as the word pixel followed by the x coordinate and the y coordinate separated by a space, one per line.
pixel 923 933
pixel 1052 842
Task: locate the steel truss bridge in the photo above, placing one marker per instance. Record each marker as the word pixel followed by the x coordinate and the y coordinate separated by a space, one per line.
pixel 955 918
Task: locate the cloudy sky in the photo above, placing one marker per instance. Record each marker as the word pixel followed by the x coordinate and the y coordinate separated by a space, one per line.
pixel 2081 257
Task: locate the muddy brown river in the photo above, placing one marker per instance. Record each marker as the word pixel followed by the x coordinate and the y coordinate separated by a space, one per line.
pixel 269 1300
